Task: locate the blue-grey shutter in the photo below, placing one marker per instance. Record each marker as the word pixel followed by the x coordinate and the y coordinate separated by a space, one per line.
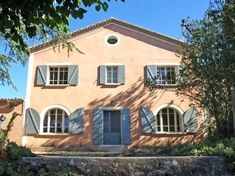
pixel 98 127
pixel 73 74
pixel 179 78
pixel 190 120
pixel 125 127
pixel 102 74
pixel 151 73
pixel 32 121
pixel 42 75
pixel 76 121
pixel 148 120
pixel 121 74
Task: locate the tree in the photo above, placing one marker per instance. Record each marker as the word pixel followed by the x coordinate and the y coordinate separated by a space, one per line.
pixel 208 63
pixel 23 20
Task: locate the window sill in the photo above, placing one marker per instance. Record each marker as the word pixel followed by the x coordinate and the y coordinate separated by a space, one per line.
pixel 57 85
pixel 112 84
pixel 54 134
pixel 169 133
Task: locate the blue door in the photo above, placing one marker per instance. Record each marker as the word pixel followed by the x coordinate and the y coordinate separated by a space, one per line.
pixel 112 127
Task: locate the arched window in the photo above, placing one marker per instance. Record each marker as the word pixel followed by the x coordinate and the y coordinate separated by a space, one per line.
pixel 169 120
pixel 56 121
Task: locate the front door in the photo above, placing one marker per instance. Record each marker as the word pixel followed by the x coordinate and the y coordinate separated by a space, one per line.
pixel 112 128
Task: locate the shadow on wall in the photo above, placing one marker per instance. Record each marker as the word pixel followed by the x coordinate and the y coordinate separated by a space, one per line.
pixel 136 96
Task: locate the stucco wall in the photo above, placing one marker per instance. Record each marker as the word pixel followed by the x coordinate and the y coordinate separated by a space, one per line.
pixel 135 51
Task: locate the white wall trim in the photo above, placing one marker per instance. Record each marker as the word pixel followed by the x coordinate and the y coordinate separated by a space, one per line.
pixel 43 112
pixel 28 93
pixel 169 106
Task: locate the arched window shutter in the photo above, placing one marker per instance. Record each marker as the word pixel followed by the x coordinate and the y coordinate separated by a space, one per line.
pixel 190 120
pixel 148 120
pixel 76 119
pixel 32 125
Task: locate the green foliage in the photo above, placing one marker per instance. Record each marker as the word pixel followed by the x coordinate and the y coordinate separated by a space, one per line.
pixel 37 20
pixel 16 152
pixel 208 64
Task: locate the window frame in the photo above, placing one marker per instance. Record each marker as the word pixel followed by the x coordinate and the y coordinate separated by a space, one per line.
pixel 165 71
pixel 64 115
pixel 181 122
pixel 106 75
pixel 58 80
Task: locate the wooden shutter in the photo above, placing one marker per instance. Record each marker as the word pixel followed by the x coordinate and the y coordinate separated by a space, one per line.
pixel 42 75
pixel 102 74
pixel 179 78
pixel 121 74
pixel 76 121
pixel 151 73
pixel 98 126
pixel 190 120
pixel 32 121
pixel 125 127
pixel 148 120
pixel 73 74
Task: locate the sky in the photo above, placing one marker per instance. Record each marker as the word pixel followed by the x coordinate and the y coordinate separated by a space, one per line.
pixel 162 16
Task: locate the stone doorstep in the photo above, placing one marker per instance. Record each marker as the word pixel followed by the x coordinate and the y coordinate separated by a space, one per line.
pixel 101 148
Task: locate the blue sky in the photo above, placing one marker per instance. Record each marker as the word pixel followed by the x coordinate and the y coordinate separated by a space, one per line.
pixel 163 16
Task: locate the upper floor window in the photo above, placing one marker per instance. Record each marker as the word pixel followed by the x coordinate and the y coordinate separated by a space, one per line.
pixel 161 75
pixel 169 120
pixel 56 121
pixel 58 75
pixel 112 74
pixel 166 75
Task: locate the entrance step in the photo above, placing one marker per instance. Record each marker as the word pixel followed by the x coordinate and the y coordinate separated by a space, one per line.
pixel 102 150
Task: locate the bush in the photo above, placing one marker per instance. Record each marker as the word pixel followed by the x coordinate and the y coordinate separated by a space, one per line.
pixel 16 152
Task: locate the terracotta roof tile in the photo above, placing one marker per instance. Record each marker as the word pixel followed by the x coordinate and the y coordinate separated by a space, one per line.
pixel 7 105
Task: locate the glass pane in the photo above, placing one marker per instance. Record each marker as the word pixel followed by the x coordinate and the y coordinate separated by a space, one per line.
pixel 45 123
pixel 115 75
pixel 115 121
pixel 172 119
pixel 106 121
pixel 52 121
pixel 66 124
pixel 59 123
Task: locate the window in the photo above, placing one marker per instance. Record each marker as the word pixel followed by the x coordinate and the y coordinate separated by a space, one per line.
pixel 58 75
pixel 112 74
pixel 166 75
pixel 169 120
pixel 56 121
pixel 112 39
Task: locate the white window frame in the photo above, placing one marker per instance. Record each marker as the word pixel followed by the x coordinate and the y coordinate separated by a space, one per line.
pixel 176 110
pixel 106 74
pixel 43 114
pixel 48 75
pixel 165 67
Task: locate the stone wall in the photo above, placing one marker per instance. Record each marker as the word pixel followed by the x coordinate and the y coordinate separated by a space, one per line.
pixel 129 166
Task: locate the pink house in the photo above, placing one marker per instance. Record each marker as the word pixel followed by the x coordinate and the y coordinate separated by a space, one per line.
pixel 99 96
